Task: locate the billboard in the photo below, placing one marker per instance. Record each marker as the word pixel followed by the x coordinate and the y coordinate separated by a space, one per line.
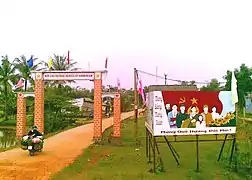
pixel 190 113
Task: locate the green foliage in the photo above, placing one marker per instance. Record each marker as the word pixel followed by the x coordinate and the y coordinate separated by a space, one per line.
pixel 59 111
pixel 214 85
pixel 25 70
pixel 127 100
pixel 186 83
pixel 242 161
pixel 244 82
pixel 83 93
pixel 60 63
pixel 7 71
pixel 127 97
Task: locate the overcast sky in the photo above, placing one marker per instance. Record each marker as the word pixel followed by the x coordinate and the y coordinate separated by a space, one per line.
pixel 188 40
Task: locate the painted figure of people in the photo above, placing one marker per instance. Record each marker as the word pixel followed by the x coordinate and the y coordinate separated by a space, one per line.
pixel 172 116
pixel 200 122
pixel 207 116
pixel 168 108
pixel 214 114
pixel 193 115
pixel 181 116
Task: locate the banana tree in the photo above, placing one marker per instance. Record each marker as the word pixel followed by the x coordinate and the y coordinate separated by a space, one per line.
pixel 7 74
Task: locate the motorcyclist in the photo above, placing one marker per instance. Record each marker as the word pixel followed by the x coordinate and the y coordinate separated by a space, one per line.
pixel 107 109
pixel 34 132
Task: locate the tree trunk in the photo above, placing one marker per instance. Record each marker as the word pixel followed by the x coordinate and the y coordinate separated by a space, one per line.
pixel 6 101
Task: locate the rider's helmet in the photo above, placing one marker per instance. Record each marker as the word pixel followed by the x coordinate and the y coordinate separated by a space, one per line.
pixel 34 127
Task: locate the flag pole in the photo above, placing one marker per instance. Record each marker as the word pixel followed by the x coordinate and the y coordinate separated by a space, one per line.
pixel 136 105
pixel 234 93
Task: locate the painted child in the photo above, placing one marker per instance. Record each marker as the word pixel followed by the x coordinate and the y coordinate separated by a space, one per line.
pixel 207 115
pixel 200 122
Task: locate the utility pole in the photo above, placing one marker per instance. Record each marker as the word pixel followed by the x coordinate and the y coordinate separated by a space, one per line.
pixel 165 77
pixel 136 105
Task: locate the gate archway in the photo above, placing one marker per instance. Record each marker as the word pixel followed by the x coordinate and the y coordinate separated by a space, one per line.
pixel 40 77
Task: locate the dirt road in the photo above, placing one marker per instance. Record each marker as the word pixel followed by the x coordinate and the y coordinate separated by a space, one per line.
pixel 59 151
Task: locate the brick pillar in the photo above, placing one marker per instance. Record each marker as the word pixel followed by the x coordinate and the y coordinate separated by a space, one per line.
pixel 21 116
pixel 97 107
pixel 117 116
pixel 39 102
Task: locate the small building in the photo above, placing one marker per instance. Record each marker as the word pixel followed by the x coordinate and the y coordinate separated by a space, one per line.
pixel 78 102
pixel 88 105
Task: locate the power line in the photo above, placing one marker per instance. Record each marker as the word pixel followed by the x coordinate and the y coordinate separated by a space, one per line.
pixel 170 79
pixel 143 72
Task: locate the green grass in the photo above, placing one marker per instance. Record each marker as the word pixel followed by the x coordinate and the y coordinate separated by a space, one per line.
pixel 129 162
pixel 247 115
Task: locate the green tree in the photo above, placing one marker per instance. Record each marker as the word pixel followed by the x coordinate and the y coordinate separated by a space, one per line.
pixel 59 63
pixel 183 83
pixel 127 100
pixel 244 82
pixel 7 73
pixel 214 85
pixel 59 111
pixel 25 71
pixel 186 83
pixel 82 93
pixel 192 82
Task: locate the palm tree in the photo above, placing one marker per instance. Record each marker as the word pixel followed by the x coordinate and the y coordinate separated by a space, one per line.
pixel 24 69
pixel 7 73
pixel 59 63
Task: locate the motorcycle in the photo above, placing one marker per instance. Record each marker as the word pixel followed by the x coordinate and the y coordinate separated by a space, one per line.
pixel 32 144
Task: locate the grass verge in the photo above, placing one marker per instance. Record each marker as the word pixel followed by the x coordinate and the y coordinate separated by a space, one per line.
pixel 128 162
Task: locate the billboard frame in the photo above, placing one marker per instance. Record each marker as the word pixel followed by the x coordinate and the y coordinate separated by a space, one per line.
pixel 152 149
pixel 153 141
